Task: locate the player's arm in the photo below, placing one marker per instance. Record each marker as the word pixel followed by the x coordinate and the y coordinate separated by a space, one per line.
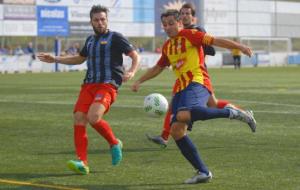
pixel 229 44
pixel 134 66
pixel 150 73
pixel 67 60
pixel 208 50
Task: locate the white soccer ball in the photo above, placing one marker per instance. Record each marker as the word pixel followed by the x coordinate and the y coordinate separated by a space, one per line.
pixel 155 105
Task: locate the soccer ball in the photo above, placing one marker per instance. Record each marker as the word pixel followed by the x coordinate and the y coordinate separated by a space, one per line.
pixel 155 105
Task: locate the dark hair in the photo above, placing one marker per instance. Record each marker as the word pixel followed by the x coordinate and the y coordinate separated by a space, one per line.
pixel 98 9
pixel 189 6
pixel 170 12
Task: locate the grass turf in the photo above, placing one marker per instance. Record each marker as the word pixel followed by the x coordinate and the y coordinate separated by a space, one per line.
pixel 36 135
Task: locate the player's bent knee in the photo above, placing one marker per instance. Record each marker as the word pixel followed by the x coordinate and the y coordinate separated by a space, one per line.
pixel 80 118
pixel 93 118
pixel 178 130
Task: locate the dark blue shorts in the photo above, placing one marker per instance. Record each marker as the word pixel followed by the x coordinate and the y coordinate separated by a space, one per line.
pixel 194 95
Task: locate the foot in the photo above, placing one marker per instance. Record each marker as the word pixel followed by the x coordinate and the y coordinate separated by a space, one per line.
pixel 245 116
pixel 199 178
pixel 157 140
pixel 78 167
pixel 116 153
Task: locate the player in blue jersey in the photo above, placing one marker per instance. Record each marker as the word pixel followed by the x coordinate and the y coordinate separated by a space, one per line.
pixel 105 73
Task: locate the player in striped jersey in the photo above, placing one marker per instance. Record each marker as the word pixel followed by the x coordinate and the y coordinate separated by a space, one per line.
pixel 105 73
pixel 188 17
pixel 184 53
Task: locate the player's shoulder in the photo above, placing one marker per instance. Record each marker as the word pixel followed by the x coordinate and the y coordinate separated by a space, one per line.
pixel 186 32
pixel 116 34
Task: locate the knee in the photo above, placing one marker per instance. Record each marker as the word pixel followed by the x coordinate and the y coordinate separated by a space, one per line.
pixel 178 130
pixel 183 116
pixel 80 118
pixel 93 118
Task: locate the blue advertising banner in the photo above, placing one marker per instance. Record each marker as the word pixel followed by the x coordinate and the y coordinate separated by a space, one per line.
pixel 163 5
pixel 52 21
pixel 143 11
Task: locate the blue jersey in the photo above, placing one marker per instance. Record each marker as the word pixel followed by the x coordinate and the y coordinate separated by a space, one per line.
pixel 104 55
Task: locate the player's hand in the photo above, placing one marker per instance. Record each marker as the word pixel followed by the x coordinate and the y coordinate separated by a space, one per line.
pixel 128 75
pixel 246 50
pixel 46 58
pixel 135 87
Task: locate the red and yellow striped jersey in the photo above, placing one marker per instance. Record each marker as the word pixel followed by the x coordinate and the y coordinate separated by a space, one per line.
pixel 184 53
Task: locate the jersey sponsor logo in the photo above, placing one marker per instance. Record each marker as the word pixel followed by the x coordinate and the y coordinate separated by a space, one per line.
pixel 179 63
pixel 103 42
pixel 98 97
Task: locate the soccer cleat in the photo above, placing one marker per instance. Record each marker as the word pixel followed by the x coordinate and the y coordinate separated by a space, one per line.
pixel 245 116
pixel 78 167
pixel 157 140
pixel 116 153
pixel 199 178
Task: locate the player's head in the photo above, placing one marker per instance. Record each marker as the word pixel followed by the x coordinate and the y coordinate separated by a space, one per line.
pixel 187 14
pixel 171 22
pixel 98 16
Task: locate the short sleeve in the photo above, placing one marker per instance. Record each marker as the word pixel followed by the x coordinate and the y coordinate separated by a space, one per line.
pixel 84 50
pixel 122 43
pixel 197 38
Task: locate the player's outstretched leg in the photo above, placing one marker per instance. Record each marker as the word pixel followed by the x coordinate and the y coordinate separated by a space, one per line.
pixel 116 153
pixel 199 178
pixel 78 167
pixel 245 116
pixel 157 140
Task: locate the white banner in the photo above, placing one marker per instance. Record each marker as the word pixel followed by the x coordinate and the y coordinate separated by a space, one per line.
pixel 1 12
pixel 224 30
pixel 133 29
pixel 87 3
pixel 288 7
pixel 19 28
pixel 255 30
pixel 23 2
pixel 82 14
pixel 1 27
pixel 255 18
pixel 224 17
pixel 79 14
pixel 257 6
pixel 220 5
pixel 19 12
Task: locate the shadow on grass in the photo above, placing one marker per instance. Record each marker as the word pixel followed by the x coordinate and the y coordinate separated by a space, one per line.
pixel 107 151
pixel 149 186
pixel 26 176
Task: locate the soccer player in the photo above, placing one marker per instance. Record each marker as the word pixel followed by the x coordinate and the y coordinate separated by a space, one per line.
pixel 236 55
pixel 184 53
pixel 105 73
pixel 187 15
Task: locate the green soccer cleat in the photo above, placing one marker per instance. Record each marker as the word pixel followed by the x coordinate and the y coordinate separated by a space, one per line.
pixel 116 153
pixel 78 167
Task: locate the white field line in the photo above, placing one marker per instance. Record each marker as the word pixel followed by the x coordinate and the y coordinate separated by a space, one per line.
pixel 137 106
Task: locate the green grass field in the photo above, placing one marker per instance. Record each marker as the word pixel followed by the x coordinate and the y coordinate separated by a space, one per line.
pixel 36 135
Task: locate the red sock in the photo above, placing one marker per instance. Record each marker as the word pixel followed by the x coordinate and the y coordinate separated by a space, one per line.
pixel 222 103
pixel 166 130
pixel 81 142
pixel 103 128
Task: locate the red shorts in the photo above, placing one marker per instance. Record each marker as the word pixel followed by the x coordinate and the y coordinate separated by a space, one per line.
pixel 91 93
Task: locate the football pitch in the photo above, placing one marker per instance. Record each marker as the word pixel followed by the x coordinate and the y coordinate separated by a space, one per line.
pixel 36 135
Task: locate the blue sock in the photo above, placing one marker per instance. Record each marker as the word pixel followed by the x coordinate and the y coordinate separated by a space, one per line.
pixel 204 113
pixel 189 151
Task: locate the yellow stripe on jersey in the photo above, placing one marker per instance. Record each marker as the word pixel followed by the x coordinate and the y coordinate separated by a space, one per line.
pixel 207 39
